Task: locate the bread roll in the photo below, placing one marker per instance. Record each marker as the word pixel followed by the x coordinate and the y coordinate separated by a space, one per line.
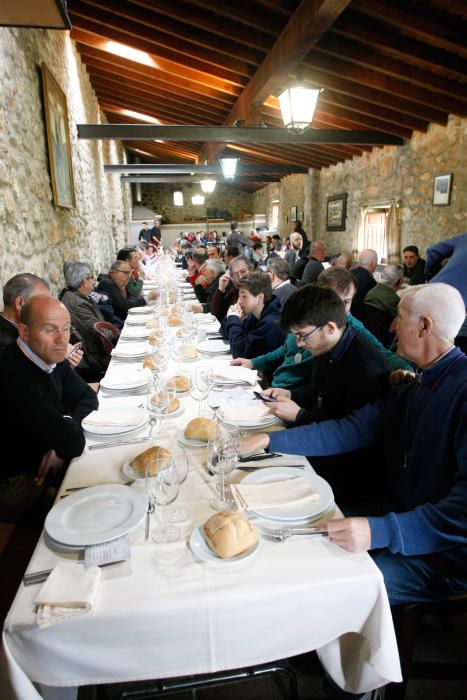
pixel 174 321
pixel 189 352
pixel 152 323
pixel 229 534
pixel 173 406
pixel 201 429
pixel 182 383
pixel 149 458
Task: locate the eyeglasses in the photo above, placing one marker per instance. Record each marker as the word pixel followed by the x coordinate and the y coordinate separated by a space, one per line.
pixel 124 272
pixel 303 337
pixel 52 330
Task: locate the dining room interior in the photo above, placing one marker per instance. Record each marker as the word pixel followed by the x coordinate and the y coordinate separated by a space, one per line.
pixel 117 113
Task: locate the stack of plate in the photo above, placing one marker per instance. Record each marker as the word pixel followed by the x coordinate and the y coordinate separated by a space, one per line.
pixel 135 332
pixel 252 425
pixel 293 512
pixel 126 383
pixel 110 432
pixel 95 515
pixel 213 347
pixel 131 353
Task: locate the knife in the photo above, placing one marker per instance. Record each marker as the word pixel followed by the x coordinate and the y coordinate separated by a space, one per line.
pixel 134 441
pixel 246 468
pixel 260 457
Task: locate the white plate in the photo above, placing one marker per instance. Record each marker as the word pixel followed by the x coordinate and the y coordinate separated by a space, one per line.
pixel 298 511
pixel 203 551
pixel 96 515
pixel 132 332
pixel 189 443
pixel 213 347
pixel 174 414
pixel 135 310
pixel 135 350
pixel 93 430
pixel 250 425
pixel 114 381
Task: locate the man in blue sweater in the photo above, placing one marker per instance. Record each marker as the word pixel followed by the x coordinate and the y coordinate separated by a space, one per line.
pixel 419 541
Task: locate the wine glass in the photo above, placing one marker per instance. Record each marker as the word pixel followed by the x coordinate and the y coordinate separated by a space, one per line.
pixel 202 385
pixel 177 514
pixel 221 460
pixel 157 400
pixel 162 488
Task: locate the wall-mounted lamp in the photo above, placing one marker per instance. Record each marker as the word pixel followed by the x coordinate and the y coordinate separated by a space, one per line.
pixel 208 186
pixel 197 199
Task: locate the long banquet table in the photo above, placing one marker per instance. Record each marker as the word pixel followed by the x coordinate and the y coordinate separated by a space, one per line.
pixel 166 613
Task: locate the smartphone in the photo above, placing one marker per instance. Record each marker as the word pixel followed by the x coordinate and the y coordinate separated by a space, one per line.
pixel 76 347
pixel 266 399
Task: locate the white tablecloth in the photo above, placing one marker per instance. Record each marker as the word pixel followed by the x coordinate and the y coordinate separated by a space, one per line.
pixel 172 615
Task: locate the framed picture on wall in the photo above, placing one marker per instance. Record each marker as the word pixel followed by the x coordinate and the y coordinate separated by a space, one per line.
pixel 442 190
pixel 293 213
pixel 336 212
pixel 58 141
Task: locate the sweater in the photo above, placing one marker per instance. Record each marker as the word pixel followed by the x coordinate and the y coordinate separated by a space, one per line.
pixel 383 297
pixel 120 303
pixel 205 294
pixel 221 301
pixel 421 433
pixel 44 412
pixel 254 336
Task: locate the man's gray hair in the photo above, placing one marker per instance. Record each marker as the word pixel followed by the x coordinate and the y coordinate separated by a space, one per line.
pixel 280 267
pixel 440 302
pixel 368 257
pixel 243 259
pixel 76 273
pixel 216 266
pixel 392 274
pixel 21 285
pixel 116 265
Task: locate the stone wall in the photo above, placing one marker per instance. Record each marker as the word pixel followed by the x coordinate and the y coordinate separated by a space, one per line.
pixel 405 174
pixel 225 198
pixel 36 236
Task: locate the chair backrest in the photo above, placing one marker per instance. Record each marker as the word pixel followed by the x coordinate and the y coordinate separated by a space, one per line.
pixel 108 335
pixel 378 322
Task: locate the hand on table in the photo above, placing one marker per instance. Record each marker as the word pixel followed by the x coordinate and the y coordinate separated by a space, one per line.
pixel 275 393
pixel 49 462
pixel 242 362
pixel 236 310
pixel 196 309
pixel 253 443
pixel 352 534
pixel 284 408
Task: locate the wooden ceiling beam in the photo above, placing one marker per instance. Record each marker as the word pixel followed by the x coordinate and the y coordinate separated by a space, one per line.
pixel 303 30
pixel 330 78
pixel 163 114
pixel 164 58
pixel 157 37
pixel 267 156
pixel 340 118
pixel 375 35
pixel 424 24
pixel 416 98
pixel 358 53
pixel 247 14
pixel 183 179
pixel 105 62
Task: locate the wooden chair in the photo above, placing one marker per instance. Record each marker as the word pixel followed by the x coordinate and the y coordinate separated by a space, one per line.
pixel 406 622
pixel 378 322
pixel 108 335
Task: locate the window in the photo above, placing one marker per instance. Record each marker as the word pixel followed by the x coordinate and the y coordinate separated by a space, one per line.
pixel 178 199
pixel 274 225
pixel 374 235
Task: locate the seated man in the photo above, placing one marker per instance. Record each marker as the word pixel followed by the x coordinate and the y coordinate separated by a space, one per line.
pixel 414 265
pixel 47 400
pixel 290 364
pixel 251 325
pixel 208 281
pixel 16 292
pixel 115 286
pixel 419 536
pixel 384 294
pixel 227 292
pixel 79 279
pixel 367 263
pixel 134 285
pixel 278 271
pixel 313 263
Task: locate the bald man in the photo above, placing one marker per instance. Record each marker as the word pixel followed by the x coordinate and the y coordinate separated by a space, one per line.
pixel 44 404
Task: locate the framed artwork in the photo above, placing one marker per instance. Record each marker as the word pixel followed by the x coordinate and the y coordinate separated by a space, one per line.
pixel 293 213
pixel 300 216
pixel 58 141
pixel 336 212
pixel 442 190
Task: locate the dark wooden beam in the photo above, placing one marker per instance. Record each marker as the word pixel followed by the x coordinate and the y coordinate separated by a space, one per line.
pixel 213 169
pixel 226 134
pixel 304 29
pixel 181 179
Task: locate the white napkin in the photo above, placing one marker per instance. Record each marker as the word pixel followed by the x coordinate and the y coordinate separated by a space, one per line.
pixel 114 418
pixel 68 592
pixel 251 412
pixel 131 350
pixel 273 494
pixel 125 380
pixel 237 374
pixel 129 332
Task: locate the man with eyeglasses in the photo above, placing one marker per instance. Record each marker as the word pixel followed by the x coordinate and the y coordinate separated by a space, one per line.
pixel 348 371
pixel 115 286
pixel 227 292
pixel 45 402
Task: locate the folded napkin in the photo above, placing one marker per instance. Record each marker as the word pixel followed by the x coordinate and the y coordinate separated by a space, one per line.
pixel 109 418
pixel 130 332
pixel 251 411
pixel 68 592
pixel 125 380
pixel 131 350
pixel 237 374
pixel 273 494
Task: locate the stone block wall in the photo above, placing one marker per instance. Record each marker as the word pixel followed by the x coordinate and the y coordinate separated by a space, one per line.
pixel 36 236
pixel 159 198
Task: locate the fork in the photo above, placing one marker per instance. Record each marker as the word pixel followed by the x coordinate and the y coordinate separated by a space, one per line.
pixel 282 534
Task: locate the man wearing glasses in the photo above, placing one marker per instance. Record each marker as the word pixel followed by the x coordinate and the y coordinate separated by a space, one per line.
pixel 46 401
pixel 114 285
pixel 348 371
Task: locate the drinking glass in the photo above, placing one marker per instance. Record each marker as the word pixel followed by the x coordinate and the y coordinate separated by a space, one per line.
pixel 177 514
pixel 162 488
pixel 221 460
pixel 157 400
pixel 203 382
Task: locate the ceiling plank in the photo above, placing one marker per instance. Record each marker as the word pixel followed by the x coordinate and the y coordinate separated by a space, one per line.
pixel 190 169
pixel 247 14
pixel 304 29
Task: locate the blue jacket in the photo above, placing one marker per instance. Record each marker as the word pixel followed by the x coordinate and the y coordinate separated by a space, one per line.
pixel 252 336
pixel 421 431
pixel 454 272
